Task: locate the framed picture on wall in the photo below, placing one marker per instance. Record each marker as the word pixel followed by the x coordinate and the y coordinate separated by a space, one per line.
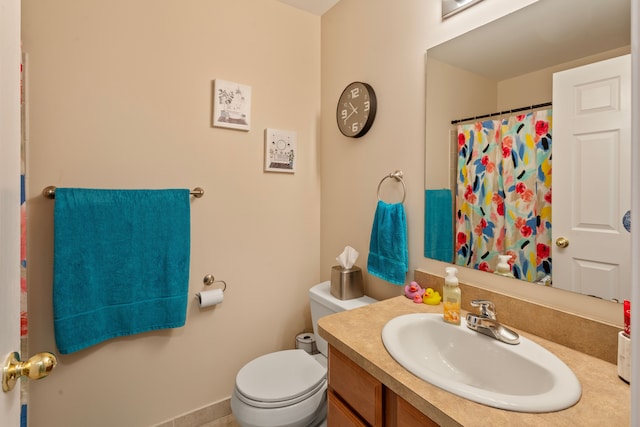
pixel 231 105
pixel 280 150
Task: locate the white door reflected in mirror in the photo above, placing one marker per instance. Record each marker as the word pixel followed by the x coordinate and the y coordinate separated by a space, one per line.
pixel 592 178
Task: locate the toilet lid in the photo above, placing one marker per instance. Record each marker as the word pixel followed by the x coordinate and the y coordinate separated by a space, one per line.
pixel 280 376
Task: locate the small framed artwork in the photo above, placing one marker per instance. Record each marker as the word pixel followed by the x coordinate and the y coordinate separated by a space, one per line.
pixel 280 150
pixel 231 105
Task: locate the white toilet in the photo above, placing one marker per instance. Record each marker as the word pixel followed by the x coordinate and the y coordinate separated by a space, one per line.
pixel 289 388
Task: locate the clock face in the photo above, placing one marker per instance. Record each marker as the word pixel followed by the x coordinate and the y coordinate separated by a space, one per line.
pixel 356 109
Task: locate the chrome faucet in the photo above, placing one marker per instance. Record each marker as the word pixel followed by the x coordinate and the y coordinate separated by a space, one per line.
pixel 487 324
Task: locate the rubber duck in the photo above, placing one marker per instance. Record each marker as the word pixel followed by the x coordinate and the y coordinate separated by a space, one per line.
pixel 414 292
pixel 431 297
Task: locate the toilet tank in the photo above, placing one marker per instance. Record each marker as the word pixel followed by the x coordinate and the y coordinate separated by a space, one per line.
pixel 323 304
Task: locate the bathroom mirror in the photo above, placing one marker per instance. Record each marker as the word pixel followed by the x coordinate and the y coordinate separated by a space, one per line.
pixel 450 7
pixel 508 64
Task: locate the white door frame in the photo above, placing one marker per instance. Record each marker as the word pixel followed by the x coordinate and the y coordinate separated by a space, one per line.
pixel 9 198
pixel 635 210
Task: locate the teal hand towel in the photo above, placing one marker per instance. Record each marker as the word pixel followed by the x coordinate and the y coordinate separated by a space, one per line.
pixel 388 254
pixel 121 263
pixel 438 225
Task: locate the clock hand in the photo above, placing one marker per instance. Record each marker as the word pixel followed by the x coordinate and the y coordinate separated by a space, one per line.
pixel 350 114
pixel 355 110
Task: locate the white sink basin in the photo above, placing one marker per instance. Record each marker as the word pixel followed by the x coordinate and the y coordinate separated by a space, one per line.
pixel 524 377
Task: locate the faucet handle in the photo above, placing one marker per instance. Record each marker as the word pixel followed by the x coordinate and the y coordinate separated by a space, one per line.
pixel 487 308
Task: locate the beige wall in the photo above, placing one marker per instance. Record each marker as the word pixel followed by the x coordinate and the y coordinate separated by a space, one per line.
pixel 448 90
pixel 120 97
pixel 536 87
pixel 383 43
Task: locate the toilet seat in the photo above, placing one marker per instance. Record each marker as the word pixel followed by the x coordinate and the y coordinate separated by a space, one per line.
pixel 280 379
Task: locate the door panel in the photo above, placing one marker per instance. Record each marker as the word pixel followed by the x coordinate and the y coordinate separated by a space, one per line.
pixel 591 178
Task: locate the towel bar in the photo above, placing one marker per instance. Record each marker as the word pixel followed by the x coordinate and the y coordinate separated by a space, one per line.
pixel 50 192
pixel 398 176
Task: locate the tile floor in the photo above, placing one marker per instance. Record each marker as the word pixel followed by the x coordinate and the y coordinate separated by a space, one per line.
pixel 227 421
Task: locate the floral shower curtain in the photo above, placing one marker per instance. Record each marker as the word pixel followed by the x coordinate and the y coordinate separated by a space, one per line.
pixel 503 201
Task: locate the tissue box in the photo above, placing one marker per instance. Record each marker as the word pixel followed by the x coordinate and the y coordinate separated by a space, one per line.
pixel 346 283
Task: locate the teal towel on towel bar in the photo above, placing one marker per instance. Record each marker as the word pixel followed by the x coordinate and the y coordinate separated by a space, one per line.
pixel 121 263
pixel 438 225
pixel 388 253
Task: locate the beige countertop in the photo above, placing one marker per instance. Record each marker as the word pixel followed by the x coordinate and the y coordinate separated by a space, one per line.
pixel 357 333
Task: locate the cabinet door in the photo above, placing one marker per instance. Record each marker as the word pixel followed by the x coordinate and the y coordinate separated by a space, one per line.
pixel 356 387
pixel 339 415
pixel 400 413
pixel 408 416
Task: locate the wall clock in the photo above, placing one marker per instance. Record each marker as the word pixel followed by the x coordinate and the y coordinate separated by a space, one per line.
pixel 356 109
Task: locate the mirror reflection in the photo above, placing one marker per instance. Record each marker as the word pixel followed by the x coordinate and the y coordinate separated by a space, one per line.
pixel 495 122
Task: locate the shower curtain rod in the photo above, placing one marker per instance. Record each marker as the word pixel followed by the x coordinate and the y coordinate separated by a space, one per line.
pixel 498 113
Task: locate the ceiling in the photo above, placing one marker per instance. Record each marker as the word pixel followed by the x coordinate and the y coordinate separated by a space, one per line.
pixel 316 7
pixel 543 26
pixel 543 34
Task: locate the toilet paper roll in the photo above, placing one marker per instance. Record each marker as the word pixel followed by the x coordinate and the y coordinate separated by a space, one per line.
pixel 209 298
pixel 306 341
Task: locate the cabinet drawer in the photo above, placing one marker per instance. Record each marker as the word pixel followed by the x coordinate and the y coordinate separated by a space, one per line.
pixel 339 414
pixel 361 391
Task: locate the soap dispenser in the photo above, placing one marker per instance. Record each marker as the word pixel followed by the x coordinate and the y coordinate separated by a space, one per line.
pixel 503 268
pixel 451 297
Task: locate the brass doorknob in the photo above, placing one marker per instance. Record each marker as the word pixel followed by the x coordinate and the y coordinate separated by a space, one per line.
pixel 38 366
pixel 562 242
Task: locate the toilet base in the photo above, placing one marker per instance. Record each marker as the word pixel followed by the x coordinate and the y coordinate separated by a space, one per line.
pixel 309 413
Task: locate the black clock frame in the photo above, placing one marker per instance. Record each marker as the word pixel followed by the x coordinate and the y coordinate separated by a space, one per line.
pixel 373 108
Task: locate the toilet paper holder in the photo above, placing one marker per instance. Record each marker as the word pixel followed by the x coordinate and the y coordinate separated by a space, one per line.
pixel 209 280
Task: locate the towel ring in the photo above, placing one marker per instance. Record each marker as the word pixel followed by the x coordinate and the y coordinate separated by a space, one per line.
pixel 398 176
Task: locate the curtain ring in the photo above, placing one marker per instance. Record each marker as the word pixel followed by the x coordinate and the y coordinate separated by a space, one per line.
pixel 398 176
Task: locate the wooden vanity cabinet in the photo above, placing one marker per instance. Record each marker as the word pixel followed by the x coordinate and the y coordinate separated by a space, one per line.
pixel 400 413
pixel 356 398
pixel 341 415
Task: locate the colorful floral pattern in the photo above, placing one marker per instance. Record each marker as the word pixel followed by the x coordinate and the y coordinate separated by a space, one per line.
pixel 503 200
